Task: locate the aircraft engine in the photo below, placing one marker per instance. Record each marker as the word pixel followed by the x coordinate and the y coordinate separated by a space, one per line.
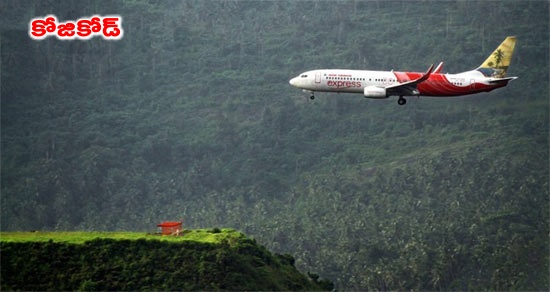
pixel 375 92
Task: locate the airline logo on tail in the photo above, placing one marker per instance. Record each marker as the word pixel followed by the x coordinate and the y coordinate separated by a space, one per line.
pixel 499 61
pixel 491 74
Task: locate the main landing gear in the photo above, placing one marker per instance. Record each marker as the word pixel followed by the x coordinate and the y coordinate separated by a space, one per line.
pixel 401 101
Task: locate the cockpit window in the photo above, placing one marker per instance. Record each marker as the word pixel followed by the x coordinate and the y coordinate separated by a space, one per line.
pixel 304 75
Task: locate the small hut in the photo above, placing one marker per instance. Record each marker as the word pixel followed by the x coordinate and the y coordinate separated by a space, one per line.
pixel 170 227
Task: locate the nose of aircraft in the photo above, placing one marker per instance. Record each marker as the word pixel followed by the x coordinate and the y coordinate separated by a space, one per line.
pixel 293 81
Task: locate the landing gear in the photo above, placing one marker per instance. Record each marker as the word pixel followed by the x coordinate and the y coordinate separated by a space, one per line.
pixel 312 94
pixel 401 101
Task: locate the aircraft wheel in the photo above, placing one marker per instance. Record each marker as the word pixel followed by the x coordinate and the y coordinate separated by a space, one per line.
pixel 312 97
pixel 401 101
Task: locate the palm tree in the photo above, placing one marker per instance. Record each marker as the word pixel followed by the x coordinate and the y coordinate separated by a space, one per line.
pixel 499 55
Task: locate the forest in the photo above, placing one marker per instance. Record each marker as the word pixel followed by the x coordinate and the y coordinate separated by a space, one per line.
pixel 190 116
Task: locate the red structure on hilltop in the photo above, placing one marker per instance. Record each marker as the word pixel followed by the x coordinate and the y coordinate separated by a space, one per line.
pixel 170 227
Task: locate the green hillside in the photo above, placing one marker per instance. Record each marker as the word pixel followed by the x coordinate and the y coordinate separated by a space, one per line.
pixel 190 115
pixel 199 260
pixel 215 236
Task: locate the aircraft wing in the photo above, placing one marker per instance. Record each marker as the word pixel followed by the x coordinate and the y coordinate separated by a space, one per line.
pixel 409 87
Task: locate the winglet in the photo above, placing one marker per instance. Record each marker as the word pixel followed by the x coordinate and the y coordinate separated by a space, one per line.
pixel 425 76
pixel 430 70
pixel 438 69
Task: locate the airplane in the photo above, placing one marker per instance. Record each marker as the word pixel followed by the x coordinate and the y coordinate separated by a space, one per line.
pixel 491 74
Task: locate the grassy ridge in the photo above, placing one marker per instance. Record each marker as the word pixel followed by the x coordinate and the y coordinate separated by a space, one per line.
pixel 79 237
pixel 207 259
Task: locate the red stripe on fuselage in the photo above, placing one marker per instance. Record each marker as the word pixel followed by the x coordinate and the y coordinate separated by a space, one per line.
pixel 439 85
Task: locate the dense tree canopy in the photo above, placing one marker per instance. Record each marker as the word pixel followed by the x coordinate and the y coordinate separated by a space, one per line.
pixel 190 115
pixel 146 262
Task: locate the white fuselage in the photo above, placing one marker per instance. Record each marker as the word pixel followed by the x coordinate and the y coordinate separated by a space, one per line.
pixel 342 80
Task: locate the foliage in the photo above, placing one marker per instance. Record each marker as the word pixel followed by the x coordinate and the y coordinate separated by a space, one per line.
pixel 191 115
pixel 105 263
pixel 215 235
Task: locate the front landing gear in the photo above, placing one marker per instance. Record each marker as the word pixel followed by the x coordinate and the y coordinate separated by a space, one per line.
pixel 311 93
pixel 401 101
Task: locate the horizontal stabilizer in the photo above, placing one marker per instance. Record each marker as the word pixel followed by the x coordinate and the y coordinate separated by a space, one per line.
pixel 499 80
